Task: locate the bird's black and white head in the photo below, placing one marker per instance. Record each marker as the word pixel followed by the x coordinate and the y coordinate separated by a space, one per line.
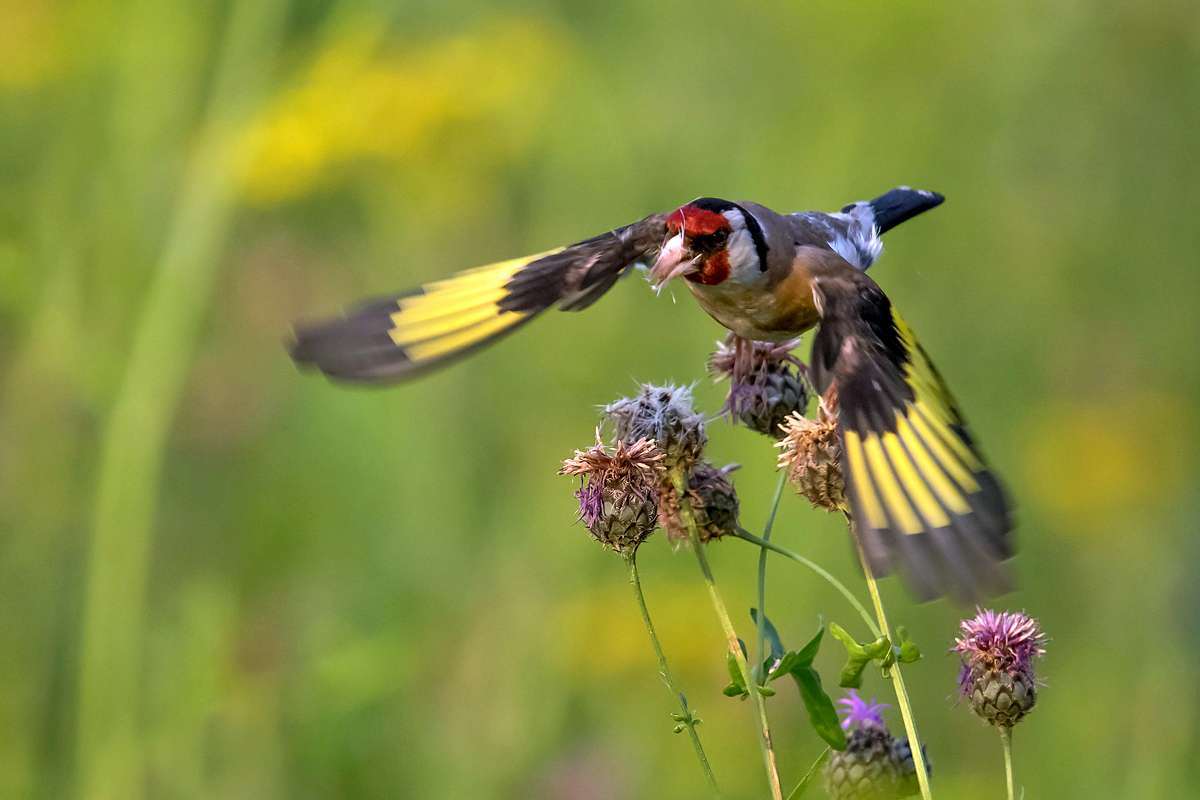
pixel 712 241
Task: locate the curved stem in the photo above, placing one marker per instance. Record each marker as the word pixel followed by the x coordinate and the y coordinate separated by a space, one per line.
pixel 764 730
pixel 761 622
pixel 1006 741
pixel 109 741
pixel 687 720
pixel 910 723
pixel 819 570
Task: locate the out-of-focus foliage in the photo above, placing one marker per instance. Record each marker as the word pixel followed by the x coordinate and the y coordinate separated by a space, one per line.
pixel 224 579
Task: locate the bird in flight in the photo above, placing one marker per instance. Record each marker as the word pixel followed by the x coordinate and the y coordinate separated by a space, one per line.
pixel 920 493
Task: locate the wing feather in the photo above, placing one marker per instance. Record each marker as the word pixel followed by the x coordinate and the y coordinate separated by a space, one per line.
pixel 399 337
pixel 921 494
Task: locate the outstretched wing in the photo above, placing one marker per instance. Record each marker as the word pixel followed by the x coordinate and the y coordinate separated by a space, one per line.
pixel 922 496
pixel 394 338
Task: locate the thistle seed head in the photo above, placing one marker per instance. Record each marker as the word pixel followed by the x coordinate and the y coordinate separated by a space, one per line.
pixel 811 454
pixel 997 676
pixel 874 765
pixel 618 497
pixel 665 415
pixel 714 500
pixel 765 388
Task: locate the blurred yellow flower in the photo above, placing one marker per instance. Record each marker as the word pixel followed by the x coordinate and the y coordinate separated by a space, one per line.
pixel 603 636
pixel 30 42
pixel 363 98
pixel 1095 463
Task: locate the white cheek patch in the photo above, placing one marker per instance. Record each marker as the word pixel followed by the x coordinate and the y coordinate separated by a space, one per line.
pixel 743 255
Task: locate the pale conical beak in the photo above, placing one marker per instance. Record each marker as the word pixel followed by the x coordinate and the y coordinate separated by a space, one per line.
pixel 672 261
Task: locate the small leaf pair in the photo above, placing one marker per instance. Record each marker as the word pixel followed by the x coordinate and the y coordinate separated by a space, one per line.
pixel 860 654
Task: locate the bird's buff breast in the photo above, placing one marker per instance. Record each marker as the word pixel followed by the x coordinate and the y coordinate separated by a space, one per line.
pixel 760 312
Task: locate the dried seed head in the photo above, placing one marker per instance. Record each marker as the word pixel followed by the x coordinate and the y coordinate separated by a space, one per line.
pixel 997 677
pixel 664 414
pixel 714 500
pixel 765 387
pixel 811 453
pixel 618 497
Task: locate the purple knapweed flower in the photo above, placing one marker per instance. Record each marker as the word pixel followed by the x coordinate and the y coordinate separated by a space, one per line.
pixel 998 649
pixel 857 713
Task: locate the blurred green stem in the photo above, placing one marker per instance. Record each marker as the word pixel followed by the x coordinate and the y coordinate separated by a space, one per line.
pixel 135 433
pixel 1006 742
pixel 810 776
pixel 679 479
pixel 819 570
pixel 761 622
pixel 910 723
pixel 686 719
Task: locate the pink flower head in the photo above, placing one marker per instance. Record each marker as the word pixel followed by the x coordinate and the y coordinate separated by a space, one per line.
pixel 1001 640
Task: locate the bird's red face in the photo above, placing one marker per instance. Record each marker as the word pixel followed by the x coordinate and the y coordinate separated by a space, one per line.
pixel 708 243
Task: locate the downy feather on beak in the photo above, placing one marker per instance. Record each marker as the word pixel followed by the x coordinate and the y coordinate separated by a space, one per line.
pixel 673 260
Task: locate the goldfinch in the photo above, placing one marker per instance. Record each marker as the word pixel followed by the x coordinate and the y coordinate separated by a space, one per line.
pixel 923 500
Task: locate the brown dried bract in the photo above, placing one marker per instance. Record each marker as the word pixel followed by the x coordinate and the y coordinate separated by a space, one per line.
pixel 811 454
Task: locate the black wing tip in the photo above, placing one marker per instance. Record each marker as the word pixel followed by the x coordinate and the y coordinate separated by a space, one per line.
pixel 356 351
pixel 942 562
pixel 967 560
pixel 353 349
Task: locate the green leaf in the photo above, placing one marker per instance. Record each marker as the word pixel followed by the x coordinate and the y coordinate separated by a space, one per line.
pixel 737 686
pixel 770 634
pixel 809 651
pixel 797 658
pixel 821 713
pixel 906 651
pixel 784 666
pixel 858 655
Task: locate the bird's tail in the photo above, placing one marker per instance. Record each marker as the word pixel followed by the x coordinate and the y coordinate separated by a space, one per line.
pixel 394 338
pixel 902 204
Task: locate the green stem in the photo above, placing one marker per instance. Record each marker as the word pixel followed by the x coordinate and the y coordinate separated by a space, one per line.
pixel 910 724
pixel 731 637
pixel 134 436
pixel 1006 741
pixel 687 720
pixel 761 622
pixel 809 776
pixel 819 570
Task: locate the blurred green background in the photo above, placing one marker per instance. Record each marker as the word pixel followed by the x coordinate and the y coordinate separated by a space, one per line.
pixel 222 578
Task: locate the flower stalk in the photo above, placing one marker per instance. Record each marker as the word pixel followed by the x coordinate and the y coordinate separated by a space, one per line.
pixel 760 651
pixel 902 701
pixel 686 719
pixel 998 651
pixel 824 574
pixel 680 483
pixel 1006 742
